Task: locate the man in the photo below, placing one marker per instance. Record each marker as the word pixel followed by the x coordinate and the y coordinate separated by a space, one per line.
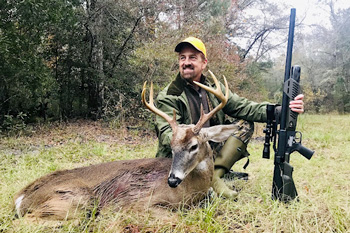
pixel 186 98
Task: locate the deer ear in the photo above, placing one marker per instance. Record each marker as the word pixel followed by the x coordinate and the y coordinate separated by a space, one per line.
pixel 217 133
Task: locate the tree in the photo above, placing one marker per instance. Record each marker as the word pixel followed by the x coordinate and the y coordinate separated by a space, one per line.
pixel 65 59
pixel 256 29
pixel 325 61
pixel 25 77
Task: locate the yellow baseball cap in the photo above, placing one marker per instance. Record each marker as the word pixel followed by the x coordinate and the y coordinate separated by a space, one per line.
pixel 195 42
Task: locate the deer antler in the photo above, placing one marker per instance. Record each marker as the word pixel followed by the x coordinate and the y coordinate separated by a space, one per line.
pixel 218 93
pixel 150 106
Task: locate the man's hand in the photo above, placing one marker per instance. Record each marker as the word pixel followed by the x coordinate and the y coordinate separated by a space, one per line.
pixel 297 105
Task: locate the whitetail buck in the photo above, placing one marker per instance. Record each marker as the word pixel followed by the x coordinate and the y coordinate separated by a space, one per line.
pixel 137 184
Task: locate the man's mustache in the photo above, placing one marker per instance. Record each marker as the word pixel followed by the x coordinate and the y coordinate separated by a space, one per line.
pixel 188 66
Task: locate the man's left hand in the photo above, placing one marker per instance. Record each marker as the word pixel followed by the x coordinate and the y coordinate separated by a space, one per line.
pixel 297 105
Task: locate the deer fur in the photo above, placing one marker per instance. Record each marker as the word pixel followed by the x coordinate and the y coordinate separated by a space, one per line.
pixel 128 184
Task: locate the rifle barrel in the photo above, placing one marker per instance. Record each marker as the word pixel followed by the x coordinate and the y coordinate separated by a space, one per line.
pixel 285 100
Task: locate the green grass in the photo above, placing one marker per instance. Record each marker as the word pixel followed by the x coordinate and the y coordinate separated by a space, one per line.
pixel 322 182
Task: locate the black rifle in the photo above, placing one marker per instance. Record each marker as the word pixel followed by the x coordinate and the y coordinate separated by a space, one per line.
pixel 289 140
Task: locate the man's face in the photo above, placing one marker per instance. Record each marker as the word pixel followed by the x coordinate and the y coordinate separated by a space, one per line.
pixel 191 63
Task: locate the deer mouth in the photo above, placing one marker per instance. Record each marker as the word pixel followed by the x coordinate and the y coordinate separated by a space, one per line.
pixel 173 181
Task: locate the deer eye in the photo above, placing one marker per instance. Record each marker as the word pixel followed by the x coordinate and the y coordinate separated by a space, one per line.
pixel 194 147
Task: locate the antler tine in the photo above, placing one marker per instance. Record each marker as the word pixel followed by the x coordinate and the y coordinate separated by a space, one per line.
pixel 150 106
pixel 218 93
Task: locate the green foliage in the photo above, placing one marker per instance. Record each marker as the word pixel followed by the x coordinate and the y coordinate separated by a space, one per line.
pixel 325 62
pixel 88 59
pixel 26 81
pixel 253 79
pixel 65 59
pixel 14 124
pixel 342 95
pixel 51 65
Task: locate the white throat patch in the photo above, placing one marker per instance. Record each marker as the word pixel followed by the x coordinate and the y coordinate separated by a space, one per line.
pixel 202 166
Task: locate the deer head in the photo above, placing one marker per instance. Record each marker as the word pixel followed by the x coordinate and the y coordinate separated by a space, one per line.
pixel 189 142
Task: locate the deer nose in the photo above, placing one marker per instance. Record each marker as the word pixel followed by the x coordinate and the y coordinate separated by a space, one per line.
pixel 173 181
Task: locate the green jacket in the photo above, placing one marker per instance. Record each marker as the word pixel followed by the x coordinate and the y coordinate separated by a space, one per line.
pixel 173 97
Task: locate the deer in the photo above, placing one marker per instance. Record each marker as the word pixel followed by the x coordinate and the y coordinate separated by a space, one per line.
pixel 139 184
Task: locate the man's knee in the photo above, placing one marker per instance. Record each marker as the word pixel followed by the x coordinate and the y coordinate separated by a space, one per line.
pixel 245 130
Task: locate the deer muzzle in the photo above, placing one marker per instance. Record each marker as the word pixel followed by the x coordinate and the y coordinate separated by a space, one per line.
pixel 173 181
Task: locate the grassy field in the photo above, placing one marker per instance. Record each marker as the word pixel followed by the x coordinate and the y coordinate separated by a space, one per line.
pixel 323 183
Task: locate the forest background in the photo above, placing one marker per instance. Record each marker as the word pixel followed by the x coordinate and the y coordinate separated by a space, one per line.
pixel 63 60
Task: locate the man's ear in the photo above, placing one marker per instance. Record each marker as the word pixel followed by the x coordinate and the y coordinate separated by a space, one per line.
pixel 217 133
pixel 205 63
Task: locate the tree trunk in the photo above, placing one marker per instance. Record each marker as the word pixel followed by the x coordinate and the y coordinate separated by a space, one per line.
pixel 96 70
